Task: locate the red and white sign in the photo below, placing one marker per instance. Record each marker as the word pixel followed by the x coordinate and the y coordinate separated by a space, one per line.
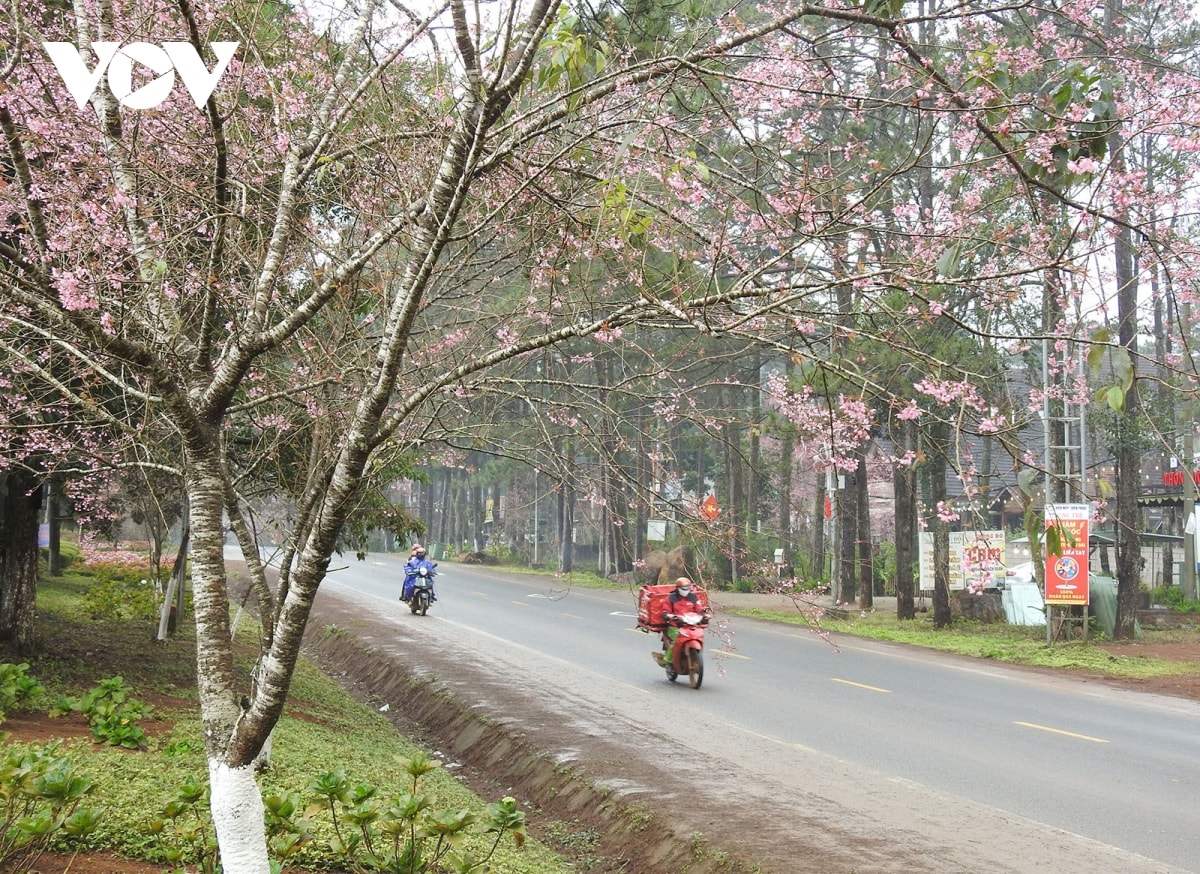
pixel 1175 477
pixel 1067 574
pixel 709 508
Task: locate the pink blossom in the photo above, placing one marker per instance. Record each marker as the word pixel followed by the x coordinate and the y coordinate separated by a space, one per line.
pixel 946 513
pixel 72 294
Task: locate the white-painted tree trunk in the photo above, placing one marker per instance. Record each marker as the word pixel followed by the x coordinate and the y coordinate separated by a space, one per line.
pixel 237 813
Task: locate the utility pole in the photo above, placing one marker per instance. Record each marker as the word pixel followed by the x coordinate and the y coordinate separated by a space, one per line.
pixel 831 541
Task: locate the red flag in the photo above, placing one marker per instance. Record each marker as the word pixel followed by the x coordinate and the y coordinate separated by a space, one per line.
pixel 709 508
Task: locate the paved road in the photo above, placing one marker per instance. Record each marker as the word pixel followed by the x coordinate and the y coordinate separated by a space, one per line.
pixel 993 769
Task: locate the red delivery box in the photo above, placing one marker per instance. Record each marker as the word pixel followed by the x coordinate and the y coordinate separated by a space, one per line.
pixel 652 602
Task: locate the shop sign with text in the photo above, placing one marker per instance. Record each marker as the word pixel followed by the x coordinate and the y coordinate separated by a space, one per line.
pixel 1067 573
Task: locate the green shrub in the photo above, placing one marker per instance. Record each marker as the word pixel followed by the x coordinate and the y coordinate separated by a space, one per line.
pixel 68 551
pixel 501 554
pixel 120 595
pixel 68 554
pixel 366 832
pixel 41 794
pixel 1172 596
pixel 17 688
pixel 184 829
pixel 110 713
pixel 400 833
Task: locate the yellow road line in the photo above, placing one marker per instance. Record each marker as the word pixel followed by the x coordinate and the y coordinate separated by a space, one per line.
pixel 860 685
pixel 1095 740
pixel 572 616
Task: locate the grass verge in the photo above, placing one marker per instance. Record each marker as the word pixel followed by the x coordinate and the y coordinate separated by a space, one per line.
pixel 998 641
pixel 323 729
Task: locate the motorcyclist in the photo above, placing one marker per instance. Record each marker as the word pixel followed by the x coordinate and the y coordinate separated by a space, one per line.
pixel 682 600
pixel 412 569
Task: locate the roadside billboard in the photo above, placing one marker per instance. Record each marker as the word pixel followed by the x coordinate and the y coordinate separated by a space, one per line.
pixel 1067 573
pixel 976 560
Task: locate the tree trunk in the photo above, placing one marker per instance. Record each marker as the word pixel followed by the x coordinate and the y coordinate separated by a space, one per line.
pixel 566 528
pixel 904 480
pixel 174 590
pixel 566 509
pixel 754 483
pixel 425 504
pixel 54 516
pixel 783 519
pixel 735 491
pixel 817 556
pixel 866 564
pixel 445 527
pixel 645 486
pixel 477 534
pixel 235 801
pixel 847 539
pixel 1129 455
pixel 20 503
pixel 938 435
pixel 498 520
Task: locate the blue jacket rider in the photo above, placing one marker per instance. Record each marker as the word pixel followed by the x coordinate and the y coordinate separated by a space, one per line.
pixel 412 568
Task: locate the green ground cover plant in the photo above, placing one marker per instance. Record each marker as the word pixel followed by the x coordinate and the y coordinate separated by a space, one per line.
pixel 344 783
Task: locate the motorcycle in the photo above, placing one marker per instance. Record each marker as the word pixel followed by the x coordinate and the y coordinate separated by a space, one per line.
pixel 422 593
pixel 685 655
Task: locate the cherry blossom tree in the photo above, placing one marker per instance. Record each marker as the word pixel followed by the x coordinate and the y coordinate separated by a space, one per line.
pixel 269 261
pixel 375 219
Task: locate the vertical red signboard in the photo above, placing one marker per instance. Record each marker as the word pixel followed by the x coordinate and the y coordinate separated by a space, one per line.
pixel 1067 574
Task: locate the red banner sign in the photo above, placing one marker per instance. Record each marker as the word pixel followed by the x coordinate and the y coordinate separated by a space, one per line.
pixel 709 508
pixel 1067 573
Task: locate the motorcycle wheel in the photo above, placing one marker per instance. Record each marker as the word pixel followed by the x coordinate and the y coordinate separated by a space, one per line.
pixel 424 605
pixel 695 668
pixel 412 603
